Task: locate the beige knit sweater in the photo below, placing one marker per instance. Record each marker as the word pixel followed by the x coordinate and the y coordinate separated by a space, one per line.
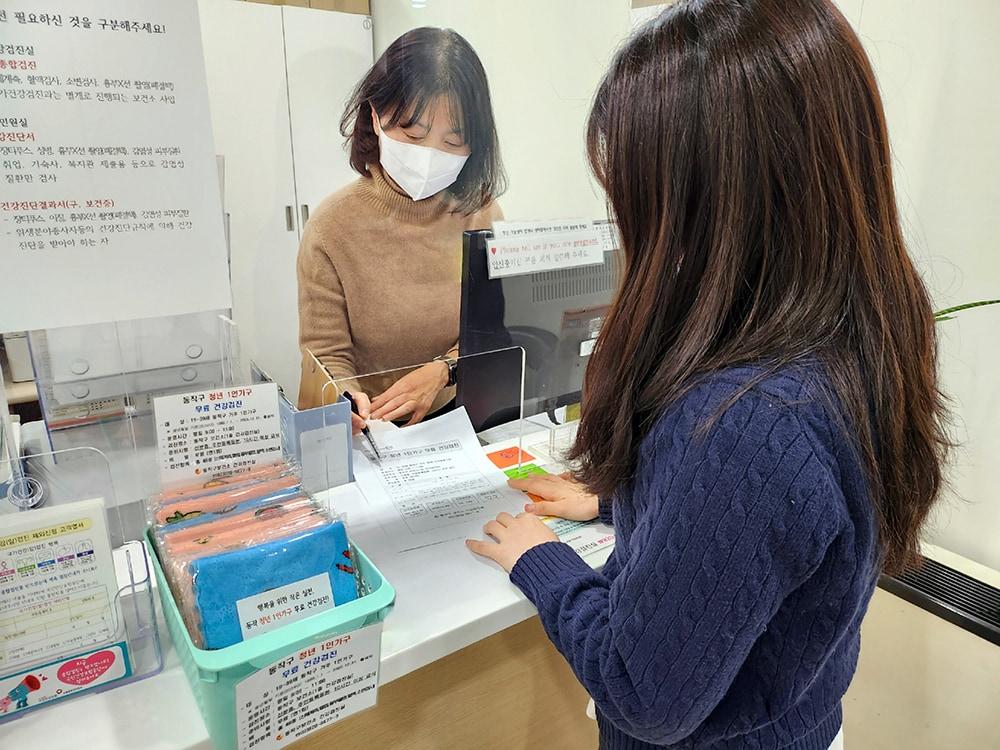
pixel 380 282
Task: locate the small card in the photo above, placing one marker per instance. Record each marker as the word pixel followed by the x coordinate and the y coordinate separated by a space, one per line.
pixel 295 601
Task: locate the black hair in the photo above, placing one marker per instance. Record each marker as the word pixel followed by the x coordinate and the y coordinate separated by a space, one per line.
pixel 413 72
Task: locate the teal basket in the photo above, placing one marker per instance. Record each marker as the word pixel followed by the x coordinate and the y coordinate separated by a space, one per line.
pixel 213 674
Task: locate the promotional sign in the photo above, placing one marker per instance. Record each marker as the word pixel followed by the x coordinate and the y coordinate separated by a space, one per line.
pixel 221 431
pixel 110 205
pixel 57 584
pixel 531 247
pixel 63 678
pixel 308 690
pixel 58 607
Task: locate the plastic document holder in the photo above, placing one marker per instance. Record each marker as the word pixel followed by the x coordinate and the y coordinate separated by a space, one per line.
pixel 314 437
pixel 77 611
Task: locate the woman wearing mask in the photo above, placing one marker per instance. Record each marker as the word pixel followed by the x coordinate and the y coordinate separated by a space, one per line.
pixel 380 262
pixel 761 416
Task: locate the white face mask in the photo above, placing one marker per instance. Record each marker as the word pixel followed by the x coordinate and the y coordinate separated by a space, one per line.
pixel 420 170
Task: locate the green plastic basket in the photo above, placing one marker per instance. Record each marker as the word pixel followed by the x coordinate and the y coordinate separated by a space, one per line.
pixel 213 674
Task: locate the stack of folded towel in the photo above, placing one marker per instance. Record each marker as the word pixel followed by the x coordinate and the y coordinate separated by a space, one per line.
pixel 230 539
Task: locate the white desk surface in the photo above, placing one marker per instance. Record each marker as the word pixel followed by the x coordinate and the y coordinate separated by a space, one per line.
pixel 446 599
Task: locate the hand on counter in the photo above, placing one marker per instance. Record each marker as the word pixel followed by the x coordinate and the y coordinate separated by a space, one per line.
pixel 513 536
pixel 560 496
pixel 412 394
pixel 359 420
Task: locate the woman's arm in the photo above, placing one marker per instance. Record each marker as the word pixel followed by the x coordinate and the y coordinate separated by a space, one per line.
pixel 744 517
pixel 324 325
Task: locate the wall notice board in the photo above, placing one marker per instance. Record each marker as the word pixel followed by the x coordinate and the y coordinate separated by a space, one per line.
pixel 110 207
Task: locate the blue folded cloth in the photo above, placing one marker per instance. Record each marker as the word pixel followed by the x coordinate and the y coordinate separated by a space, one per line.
pixel 219 581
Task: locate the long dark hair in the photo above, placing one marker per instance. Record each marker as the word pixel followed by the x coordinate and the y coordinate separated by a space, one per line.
pixel 744 153
pixel 420 66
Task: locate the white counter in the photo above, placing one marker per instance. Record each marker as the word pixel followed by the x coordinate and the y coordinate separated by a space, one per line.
pixel 446 599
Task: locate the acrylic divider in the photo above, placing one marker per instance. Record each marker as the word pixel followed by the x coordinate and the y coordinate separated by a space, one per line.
pixel 97 384
pixel 66 529
pixel 502 403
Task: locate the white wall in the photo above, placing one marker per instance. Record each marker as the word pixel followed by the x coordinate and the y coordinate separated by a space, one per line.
pixel 937 65
pixel 544 61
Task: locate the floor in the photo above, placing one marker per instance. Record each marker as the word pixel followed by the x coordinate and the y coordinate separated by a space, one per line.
pixel 922 684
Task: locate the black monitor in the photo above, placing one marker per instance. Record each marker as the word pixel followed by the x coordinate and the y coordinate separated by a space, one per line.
pixel 554 316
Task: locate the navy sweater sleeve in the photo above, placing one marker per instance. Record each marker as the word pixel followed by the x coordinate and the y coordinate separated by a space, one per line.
pixel 728 524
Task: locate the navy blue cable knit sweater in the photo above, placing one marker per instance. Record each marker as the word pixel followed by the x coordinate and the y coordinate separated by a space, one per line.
pixel 729 613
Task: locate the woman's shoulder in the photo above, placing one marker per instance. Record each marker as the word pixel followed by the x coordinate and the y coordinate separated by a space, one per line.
pixel 773 431
pixel 484 217
pixel 329 228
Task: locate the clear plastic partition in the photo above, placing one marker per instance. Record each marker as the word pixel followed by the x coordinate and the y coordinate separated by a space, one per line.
pixel 76 599
pixel 98 382
pixel 405 396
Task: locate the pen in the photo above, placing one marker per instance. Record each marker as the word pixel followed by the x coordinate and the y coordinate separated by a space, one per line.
pixel 365 431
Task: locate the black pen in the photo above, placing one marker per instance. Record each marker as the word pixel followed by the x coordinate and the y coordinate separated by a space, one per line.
pixel 364 431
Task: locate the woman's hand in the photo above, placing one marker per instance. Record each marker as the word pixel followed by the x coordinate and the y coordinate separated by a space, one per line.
pixel 364 408
pixel 412 394
pixel 560 496
pixel 514 537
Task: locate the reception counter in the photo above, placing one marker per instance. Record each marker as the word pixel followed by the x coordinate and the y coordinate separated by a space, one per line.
pixel 465 664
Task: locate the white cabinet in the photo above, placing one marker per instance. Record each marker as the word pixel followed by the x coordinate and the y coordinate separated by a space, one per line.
pixel 278 78
pixel 326 54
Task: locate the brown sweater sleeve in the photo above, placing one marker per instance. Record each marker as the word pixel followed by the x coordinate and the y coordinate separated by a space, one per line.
pixel 324 326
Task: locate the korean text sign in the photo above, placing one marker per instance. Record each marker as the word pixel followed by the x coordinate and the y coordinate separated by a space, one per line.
pixel 110 205
pixel 217 432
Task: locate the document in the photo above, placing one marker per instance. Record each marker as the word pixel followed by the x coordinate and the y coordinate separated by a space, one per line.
pixel 433 483
pixel 57 584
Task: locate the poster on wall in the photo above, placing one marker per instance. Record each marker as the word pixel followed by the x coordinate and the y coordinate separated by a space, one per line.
pixel 109 194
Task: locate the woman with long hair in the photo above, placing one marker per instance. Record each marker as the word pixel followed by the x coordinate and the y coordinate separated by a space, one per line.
pixel 761 420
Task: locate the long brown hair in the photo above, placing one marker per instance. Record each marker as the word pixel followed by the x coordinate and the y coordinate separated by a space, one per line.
pixel 743 149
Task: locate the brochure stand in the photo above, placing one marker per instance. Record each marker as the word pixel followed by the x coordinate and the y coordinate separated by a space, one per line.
pixel 76 601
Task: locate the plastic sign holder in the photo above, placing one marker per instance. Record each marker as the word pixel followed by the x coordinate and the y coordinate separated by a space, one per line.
pixel 77 612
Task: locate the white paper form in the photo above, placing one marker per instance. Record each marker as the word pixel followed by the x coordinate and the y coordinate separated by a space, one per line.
pixel 434 483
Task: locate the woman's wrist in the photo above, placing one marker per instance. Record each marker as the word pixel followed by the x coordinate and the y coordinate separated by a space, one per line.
pixel 444 372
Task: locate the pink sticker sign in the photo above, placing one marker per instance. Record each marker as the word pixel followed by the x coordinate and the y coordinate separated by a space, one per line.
pixel 60 679
pixel 85 671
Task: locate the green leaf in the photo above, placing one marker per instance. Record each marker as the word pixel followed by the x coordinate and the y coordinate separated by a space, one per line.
pixel 946 313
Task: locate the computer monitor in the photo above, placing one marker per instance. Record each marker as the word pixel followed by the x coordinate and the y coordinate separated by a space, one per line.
pixel 554 316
